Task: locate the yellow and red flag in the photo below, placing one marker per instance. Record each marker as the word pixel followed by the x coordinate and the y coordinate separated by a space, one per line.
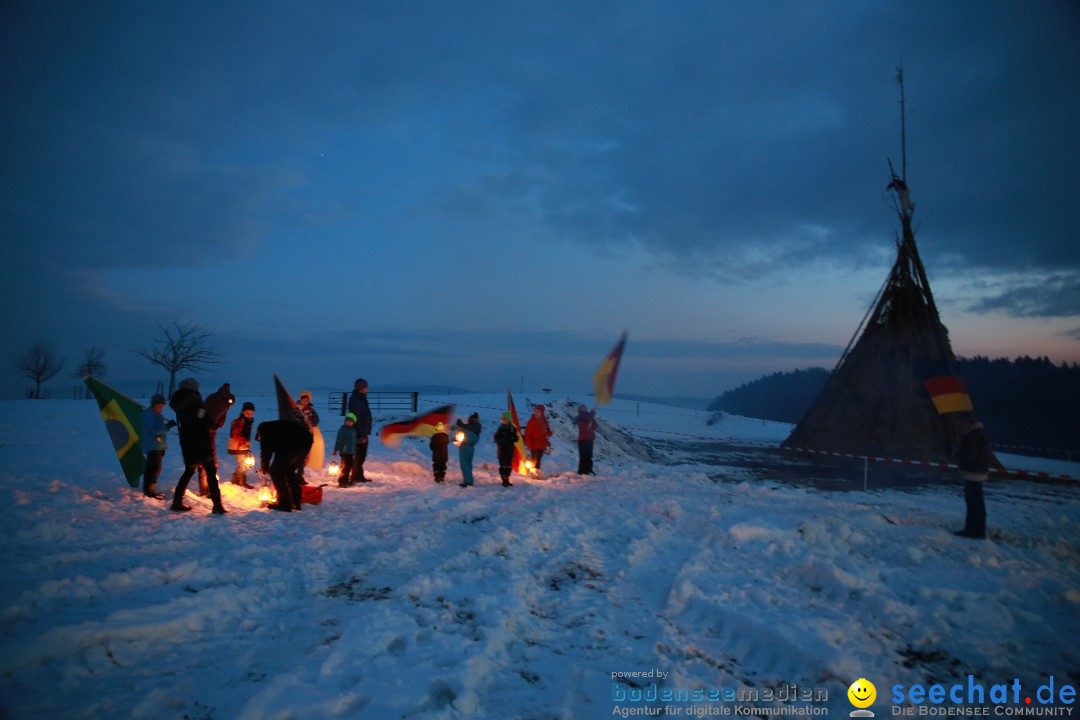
pixel 123 420
pixel 949 394
pixel 421 425
pixel 519 446
pixel 604 379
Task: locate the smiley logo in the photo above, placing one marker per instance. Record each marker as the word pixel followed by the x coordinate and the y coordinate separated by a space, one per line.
pixel 862 693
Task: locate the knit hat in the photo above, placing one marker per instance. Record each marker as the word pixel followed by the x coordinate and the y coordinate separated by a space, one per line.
pixel 360 383
pixel 158 399
pixel 305 394
pixel 189 384
pixel 248 406
pixel 506 416
pixel 474 416
pixel 350 416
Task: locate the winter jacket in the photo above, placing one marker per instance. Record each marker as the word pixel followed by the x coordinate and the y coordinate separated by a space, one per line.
pixel 217 406
pixel 310 416
pixel 973 456
pixel 240 435
pixel 358 406
pixel 472 432
pixel 537 432
pixel 283 441
pixel 346 440
pixel 154 429
pixel 195 433
pixel 440 447
pixel 505 435
pixel 586 422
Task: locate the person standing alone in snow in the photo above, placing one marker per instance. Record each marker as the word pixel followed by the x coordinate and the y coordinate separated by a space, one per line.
pixel 973 459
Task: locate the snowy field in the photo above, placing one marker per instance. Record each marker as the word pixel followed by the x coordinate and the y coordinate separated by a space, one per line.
pixel 671 572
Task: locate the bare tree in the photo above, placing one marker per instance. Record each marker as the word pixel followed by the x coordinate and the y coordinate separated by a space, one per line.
pixel 186 346
pixel 39 364
pixel 93 364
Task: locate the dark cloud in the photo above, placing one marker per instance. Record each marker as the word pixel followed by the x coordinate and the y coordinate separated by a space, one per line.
pixel 1057 295
pixel 736 141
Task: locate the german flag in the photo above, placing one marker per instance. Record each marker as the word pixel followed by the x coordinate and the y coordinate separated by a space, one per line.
pixel 519 446
pixel 123 421
pixel 604 379
pixel 421 425
pixel 287 409
pixel 949 394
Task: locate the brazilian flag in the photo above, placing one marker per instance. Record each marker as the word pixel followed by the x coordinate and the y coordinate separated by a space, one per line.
pixel 123 420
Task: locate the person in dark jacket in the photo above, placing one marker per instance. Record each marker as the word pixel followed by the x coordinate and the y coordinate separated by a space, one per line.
pixel 358 406
pixel 283 447
pixel 506 437
pixel 586 422
pixel 973 459
pixel 196 437
pixel 217 406
pixel 345 443
pixel 440 452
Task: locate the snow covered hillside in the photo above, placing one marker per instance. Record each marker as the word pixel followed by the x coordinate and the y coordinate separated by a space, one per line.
pixel 684 565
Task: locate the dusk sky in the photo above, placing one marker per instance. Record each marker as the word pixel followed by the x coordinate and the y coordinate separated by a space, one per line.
pixel 486 194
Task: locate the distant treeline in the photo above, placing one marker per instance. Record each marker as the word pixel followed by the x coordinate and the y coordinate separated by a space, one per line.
pixel 1026 402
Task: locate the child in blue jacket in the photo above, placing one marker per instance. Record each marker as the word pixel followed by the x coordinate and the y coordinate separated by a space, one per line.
pixel 154 428
pixel 346 445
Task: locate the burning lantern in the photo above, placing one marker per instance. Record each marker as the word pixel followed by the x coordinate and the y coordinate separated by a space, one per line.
pixel 249 460
pixel 267 492
pixel 334 470
pixel 459 437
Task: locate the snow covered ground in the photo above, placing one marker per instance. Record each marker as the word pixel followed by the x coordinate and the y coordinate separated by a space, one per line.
pixel 683 566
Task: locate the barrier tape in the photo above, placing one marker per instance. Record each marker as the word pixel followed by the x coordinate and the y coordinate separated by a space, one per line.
pixel 927 463
pixel 811 451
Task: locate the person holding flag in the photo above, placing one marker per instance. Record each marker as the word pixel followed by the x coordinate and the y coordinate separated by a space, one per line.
pixel 586 422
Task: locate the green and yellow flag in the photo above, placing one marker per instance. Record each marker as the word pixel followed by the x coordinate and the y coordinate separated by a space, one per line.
pixel 123 420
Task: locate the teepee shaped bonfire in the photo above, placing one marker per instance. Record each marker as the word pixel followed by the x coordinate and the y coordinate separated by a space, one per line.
pixel 877 401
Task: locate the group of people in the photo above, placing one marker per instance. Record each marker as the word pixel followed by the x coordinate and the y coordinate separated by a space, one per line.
pixel 287 446
pixel 537 441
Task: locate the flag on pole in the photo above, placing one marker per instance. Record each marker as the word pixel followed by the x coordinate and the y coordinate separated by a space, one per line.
pixel 123 420
pixel 519 446
pixel 949 394
pixel 421 425
pixel 604 379
pixel 287 409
